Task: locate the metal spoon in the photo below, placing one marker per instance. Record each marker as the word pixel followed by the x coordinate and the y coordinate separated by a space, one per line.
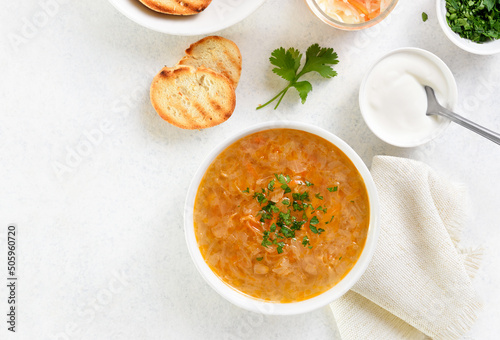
pixel 434 108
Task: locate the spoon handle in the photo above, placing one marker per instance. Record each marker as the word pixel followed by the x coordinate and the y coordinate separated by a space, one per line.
pixel 491 135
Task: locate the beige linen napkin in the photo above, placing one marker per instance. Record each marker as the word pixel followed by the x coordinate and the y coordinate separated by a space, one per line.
pixel 418 284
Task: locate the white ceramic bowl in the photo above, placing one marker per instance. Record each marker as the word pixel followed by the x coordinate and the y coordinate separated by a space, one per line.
pixel 487 48
pixel 270 308
pixel 379 126
pixel 219 15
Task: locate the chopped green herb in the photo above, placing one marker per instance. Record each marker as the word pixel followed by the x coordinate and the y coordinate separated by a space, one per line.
pixel 247 190
pixel 335 188
pixel 282 179
pixel 475 20
pixel 280 247
pixel 305 241
pixel 340 258
pixel 331 219
pixel 297 225
pixel 286 223
pixel 288 233
pixel 270 186
pixel 259 258
pixel 309 183
pixel 313 228
pixel 301 197
pixel 261 198
pixel 265 239
pixel 297 207
pixel 424 17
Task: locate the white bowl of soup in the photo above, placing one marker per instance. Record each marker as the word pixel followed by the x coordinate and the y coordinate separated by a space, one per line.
pixel 282 218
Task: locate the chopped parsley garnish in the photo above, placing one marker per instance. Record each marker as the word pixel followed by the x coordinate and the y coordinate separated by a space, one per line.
pixel 314 220
pixel 335 188
pixel 305 241
pixel 285 224
pixel 270 186
pixel 301 196
pixel 265 239
pixel 424 17
pixel 259 258
pixel 280 247
pixel 284 180
pixel 247 190
pixel 261 198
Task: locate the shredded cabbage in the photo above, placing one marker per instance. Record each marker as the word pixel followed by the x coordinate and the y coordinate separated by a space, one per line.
pixel 353 11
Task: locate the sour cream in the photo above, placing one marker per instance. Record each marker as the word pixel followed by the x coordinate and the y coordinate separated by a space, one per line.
pixel 393 101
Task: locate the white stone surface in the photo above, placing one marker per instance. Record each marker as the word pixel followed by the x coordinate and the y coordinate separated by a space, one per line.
pixel 101 245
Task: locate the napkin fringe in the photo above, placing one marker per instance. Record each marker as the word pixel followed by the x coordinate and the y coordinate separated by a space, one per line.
pixel 462 324
pixel 472 260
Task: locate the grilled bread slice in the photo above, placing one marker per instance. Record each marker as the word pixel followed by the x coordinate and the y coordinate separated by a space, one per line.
pixel 177 7
pixel 216 53
pixel 192 98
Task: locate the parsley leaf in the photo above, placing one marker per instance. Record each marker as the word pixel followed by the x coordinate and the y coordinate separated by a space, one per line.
pixel 314 220
pixel 424 17
pixel 304 87
pixel 305 241
pixel 318 59
pixel 287 64
pixel 270 186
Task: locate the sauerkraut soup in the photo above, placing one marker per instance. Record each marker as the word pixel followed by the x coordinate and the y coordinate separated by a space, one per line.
pixel 281 215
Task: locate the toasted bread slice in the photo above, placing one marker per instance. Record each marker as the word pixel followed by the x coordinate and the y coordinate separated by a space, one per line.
pixel 192 98
pixel 216 53
pixel 177 7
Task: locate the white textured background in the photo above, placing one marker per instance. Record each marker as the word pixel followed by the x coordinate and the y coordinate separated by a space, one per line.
pixel 102 250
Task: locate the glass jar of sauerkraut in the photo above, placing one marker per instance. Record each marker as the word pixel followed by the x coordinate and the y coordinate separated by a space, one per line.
pixel 351 14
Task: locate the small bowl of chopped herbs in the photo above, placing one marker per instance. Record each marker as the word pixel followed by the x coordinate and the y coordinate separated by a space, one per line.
pixel 472 25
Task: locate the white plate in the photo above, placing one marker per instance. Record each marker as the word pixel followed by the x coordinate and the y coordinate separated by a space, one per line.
pixel 218 15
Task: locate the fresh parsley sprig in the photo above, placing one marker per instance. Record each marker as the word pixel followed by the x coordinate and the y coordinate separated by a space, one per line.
pixel 287 64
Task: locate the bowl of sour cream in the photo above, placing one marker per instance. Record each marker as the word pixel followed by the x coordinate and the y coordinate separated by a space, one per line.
pixel 392 97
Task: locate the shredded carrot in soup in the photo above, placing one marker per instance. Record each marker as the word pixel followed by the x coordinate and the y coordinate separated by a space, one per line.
pixel 281 215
